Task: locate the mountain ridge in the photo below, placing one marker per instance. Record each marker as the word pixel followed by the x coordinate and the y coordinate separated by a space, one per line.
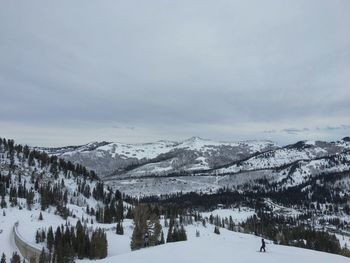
pixel 119 156
pixel 204 165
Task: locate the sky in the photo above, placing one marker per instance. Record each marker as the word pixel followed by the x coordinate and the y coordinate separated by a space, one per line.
pixel 73 72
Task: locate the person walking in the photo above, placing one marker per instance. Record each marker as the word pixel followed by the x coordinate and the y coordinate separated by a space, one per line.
pixel 262 245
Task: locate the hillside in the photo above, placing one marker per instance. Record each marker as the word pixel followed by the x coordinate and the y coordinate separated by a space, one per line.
pixel 203 165
pixel 159 158
pixel 227 247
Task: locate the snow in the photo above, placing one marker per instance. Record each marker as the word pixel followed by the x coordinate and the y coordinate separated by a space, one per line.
pixel 152 150
pixel 238 215
pixel 201 164
pixel 29 224
pixel 199 144
pixel 138 151
pixel 343 240
pixel 226 247
pixel 209 247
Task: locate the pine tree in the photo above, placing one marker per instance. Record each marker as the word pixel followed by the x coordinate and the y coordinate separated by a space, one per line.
pixel 183 235
pixel 136 238
pixel 3 203
pixel 3 258
pixel 68 249
pixel 58 247
pixel 154 229
pixel 43 257
pixel 170 231
pixel 120 211
pixel 41 216
pixel 37 237
pixel 15 258
pixel 129 214
pixel 162 241
pixel 120 229
pixel 80 240
pixel 30 199
pixel 98 247
pixel 50 239
pixel 141 214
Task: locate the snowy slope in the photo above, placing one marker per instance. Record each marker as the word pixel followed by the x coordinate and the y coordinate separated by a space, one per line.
pixel 159 158
pixel 164 166
pixel 138 151
pixel 306 150
pixel 209 247
pixel 226 247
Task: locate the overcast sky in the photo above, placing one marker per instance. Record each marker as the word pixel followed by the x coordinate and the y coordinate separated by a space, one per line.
pixel 137 71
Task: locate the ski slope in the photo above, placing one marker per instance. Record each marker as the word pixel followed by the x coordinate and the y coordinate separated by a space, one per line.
pixel 226 247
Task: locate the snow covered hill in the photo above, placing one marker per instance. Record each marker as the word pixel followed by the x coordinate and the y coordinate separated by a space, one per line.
pixel 227 247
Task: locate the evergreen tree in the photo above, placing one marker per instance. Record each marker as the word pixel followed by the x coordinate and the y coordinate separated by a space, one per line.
pixel 154 229
pixel 182 236
pixel 43 258
pixel 80 240
pixel 120 229
pixel 15 258
pixel 141 214
pixel 3 258
pixel 30 199
pixel 170 231
pixel 58 247
pixel 162 241
pixel 120 211
pixel 3 203
pixel 37 237
pixel 50 239
pixel 98 247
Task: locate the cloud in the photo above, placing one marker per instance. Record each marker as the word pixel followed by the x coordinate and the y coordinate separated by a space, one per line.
pixel 123 127
pixel 341 127
pixel 222 70
pixel 298 131
pixel 292 131
pixel 270 131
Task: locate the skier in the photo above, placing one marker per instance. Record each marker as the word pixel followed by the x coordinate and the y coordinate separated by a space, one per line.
pixel 146 240
pixel 262 245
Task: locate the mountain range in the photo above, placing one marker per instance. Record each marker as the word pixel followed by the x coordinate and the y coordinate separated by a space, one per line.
pixel 198 164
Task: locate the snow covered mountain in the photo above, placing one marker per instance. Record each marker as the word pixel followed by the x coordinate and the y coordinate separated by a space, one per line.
pixel 159 158
pixel 42 191
pixel 203 165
